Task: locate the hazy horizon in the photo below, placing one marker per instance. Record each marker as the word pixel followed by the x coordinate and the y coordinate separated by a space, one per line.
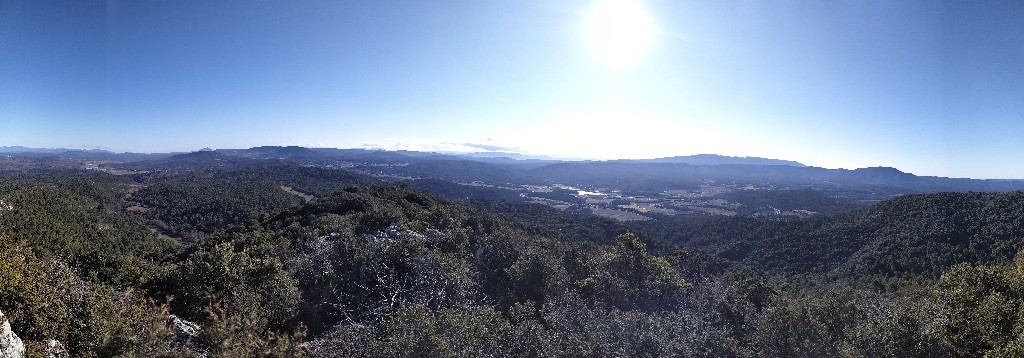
pixel 470 151
pixel 930 88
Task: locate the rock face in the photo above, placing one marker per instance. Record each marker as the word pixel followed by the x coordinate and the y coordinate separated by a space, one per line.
pixel 54 349
pixel 10 345
pixel 184 331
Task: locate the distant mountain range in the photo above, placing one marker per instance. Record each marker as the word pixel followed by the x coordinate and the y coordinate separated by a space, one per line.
pixel 638 176
pixel 505 156
pixel 506 167
pixel 21 149
pixel 297 151
pixel 714 159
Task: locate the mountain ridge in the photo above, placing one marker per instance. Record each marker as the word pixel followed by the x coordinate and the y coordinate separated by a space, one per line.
pixel 717 159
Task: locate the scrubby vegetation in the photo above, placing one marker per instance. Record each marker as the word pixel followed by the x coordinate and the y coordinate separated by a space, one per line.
pixel 378 270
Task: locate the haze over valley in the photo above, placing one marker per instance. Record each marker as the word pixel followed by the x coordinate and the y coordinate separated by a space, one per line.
pixel 701 185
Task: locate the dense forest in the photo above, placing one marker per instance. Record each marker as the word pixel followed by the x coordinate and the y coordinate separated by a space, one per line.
pixel 273 259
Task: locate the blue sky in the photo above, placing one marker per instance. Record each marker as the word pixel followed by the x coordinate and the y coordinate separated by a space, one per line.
pixel 930 87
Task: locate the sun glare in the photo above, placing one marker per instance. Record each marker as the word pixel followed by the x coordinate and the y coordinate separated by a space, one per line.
pixel 619 32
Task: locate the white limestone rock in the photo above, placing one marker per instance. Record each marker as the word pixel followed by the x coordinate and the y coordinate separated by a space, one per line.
pixel 10 345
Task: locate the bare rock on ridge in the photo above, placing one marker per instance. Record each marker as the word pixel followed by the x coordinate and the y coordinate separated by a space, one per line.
pixel 10 345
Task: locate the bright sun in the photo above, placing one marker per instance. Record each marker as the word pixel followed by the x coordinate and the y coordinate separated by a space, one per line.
pixel 619 32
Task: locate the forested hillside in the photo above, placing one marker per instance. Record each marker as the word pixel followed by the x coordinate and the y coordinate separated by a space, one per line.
pixel 198 203
pixel 235 262
pixel 910 236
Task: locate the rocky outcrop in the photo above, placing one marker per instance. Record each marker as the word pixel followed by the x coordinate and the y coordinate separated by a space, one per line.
pixel 54 349
pixel 10 345
pixel 5 207
pixel 184 331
